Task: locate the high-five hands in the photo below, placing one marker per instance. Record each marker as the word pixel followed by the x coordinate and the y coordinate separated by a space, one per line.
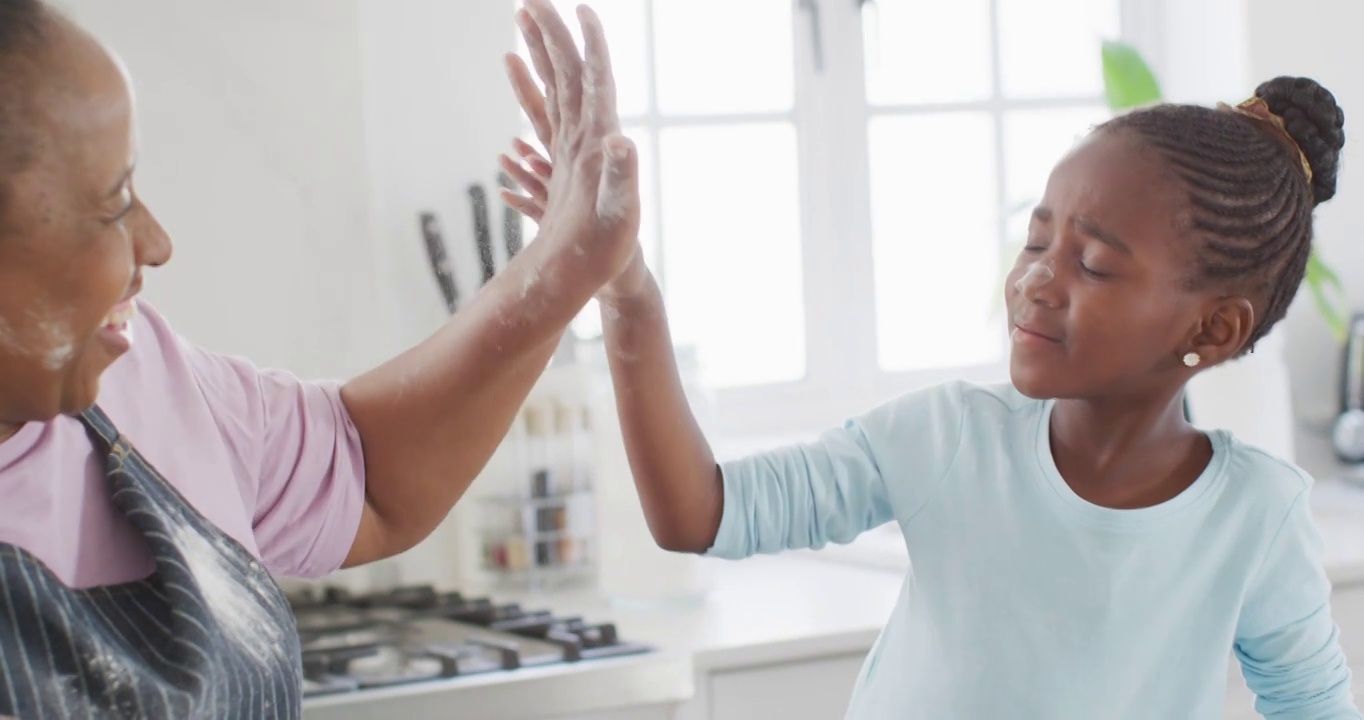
pixel 592 202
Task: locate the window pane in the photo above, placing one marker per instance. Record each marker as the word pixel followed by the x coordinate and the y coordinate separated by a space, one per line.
pixel 588 322
pixel 922 52
pixel 723 56
pixel 624 21
pixel 732 250
pixel 1034 141
pixel 1050 48
pixel 936 241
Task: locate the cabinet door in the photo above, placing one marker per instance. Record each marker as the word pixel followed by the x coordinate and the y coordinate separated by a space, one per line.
pixel 1347 607
pixel 1240 700
pixel 656 712
pixel 811 690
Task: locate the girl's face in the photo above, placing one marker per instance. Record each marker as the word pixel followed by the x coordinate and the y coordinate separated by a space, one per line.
pixel 1099 303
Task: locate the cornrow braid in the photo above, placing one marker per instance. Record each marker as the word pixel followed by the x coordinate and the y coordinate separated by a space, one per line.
pixel 1250 201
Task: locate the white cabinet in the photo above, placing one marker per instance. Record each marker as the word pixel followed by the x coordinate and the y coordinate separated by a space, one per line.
pixel 819 689
pixel 640 713
pixel 810 690
pixel 1347 607
pixel 1240 701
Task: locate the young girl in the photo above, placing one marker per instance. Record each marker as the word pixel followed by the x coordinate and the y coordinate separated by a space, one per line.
pixel 1079 550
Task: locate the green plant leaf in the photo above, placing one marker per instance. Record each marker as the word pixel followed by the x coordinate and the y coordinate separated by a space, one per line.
pixel 1128 80
pixel 1329 294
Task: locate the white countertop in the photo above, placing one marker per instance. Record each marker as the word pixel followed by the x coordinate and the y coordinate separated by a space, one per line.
pixel 759 611
pixel 662 679
pixel 804 604
pixel 1337 506
pixel 763 610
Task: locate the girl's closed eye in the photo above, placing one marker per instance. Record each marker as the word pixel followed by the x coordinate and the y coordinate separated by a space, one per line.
pixel 1099 262
pixel 1094 272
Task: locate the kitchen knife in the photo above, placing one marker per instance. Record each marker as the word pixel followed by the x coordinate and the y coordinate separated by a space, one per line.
pixel 440 260
pixel 482 232
pixel 511 220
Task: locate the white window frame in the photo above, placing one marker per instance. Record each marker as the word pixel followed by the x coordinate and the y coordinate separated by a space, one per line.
pixel 842 376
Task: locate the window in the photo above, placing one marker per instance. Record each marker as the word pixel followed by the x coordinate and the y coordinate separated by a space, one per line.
pixel 829 184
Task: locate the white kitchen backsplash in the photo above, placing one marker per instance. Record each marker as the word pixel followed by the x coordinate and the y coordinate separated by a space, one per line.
pixel 634 570
pixel 1250 397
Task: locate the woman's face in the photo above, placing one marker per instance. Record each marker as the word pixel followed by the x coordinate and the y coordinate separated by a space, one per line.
pixel 73 235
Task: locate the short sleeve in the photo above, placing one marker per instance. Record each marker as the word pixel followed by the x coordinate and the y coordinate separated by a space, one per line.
pixel 1286 641
pixel 306 491
pixel 878 467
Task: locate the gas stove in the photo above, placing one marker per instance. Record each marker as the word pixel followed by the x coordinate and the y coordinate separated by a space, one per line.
pixel 415 634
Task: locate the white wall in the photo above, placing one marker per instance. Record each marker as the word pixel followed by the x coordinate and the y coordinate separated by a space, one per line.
pixel 1198 48
pixel 439 110
pixel 253 156
pixel 1320 39
pixel 1218 50
pixel 288 148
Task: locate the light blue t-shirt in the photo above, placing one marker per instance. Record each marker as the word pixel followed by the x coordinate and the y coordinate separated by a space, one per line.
pixel 1027 602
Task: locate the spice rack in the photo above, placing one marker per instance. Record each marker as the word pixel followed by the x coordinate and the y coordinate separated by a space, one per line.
pixel 542 530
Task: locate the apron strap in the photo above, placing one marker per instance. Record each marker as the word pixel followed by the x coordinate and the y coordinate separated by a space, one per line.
pixel 208 635
pixel 98 423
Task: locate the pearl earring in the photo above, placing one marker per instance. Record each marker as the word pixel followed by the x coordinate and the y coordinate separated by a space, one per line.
pixel 1192 359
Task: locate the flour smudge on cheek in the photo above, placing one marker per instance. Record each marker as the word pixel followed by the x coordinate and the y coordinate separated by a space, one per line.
pixel 60 345
pixel 48 339
pixel 9 339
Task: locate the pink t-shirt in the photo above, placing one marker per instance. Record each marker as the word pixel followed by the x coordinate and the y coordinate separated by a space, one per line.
pixel 272 461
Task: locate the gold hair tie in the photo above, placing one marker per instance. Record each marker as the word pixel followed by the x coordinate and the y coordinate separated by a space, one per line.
pixel 1256 108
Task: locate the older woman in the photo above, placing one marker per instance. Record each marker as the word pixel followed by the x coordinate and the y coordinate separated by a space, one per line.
pixel 149 487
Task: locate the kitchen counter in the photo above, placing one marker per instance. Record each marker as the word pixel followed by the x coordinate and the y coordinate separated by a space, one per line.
pixel 1337 506
pixel 659 680
pixel 762 611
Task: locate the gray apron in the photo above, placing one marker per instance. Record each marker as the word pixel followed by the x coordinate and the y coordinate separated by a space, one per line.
pixel 208 635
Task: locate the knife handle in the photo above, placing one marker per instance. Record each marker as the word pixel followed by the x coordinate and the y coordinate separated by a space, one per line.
pixel 482 231
pixel 511 220
pixel 440 260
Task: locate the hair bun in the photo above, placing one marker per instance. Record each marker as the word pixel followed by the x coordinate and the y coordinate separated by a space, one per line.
pixel 1315 122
